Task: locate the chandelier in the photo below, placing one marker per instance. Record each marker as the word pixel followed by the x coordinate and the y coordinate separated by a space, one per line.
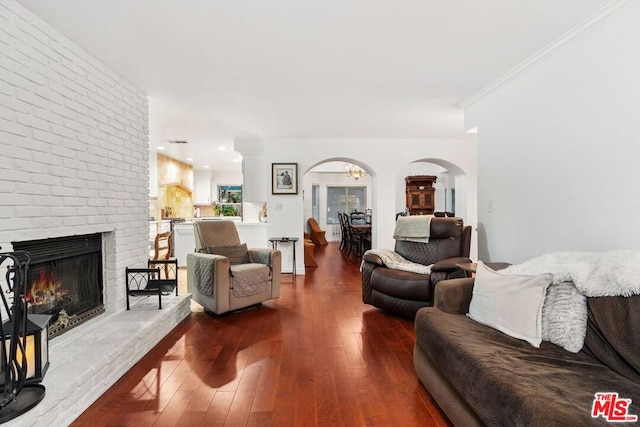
pixel 355 172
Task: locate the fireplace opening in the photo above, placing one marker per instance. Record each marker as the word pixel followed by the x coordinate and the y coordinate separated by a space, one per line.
pixel 64 279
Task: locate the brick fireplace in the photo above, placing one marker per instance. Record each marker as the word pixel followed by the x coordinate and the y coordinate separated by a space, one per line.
pixel 75 161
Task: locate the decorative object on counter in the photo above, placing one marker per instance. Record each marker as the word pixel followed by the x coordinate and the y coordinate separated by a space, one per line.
pixel 25 350
pixel 284 178
pixel 216 208
pixel 262 216
pixel 167 212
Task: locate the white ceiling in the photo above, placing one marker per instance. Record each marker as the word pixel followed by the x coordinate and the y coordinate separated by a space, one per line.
pixel 220 69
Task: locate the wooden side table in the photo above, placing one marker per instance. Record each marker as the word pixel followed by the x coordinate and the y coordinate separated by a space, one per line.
pixel 470 267
pixel 274 244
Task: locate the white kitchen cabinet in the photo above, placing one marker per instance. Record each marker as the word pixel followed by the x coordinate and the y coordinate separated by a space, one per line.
pixel 183 241
pixel 202 187
pixel 164 226
pixel 153 230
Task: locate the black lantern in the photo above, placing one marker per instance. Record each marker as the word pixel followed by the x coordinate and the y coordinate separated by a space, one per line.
pixel 36 346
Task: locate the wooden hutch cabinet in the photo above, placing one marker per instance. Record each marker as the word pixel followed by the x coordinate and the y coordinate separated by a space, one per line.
pixel 420 194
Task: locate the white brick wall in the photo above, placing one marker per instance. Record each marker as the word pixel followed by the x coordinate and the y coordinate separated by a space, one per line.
pixel 73 147
pixel 74 160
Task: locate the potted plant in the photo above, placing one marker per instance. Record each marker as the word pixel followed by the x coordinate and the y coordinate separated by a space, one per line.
pixel 216 208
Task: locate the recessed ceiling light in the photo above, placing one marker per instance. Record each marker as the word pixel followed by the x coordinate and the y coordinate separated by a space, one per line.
pixel 222 148
pixel 189 159
pixel 206 166
pixel 160 147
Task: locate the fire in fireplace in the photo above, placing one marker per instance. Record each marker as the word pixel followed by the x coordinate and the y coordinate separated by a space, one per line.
pixel 64 279
pixel 45 290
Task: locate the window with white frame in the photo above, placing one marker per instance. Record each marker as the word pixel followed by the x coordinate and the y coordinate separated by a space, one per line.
pixel 315 202
pixel 345 199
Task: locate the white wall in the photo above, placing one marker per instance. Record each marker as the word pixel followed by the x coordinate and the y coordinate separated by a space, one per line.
pixel 385 159
pixel 558 149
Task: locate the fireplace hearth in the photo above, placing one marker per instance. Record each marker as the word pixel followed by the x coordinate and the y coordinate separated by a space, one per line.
pixel 65 279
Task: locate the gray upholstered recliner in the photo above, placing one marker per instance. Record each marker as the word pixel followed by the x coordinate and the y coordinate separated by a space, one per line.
pixel 224 275
pixel 404 292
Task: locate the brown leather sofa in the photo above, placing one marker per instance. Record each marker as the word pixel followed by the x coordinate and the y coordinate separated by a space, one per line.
pixel 403 292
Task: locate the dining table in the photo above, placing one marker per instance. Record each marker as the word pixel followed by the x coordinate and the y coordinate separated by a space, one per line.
pixel 363 231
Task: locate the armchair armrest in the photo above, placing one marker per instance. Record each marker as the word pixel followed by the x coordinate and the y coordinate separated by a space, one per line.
pixel 449 264
pixel 207 273
pixel 262 255
pixel 272 258
pixel 454 295
pixel 375 259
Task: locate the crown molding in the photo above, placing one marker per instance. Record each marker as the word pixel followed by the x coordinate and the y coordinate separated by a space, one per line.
pixel 589 24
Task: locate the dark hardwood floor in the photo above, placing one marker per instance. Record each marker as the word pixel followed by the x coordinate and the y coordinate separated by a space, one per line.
pixel 317 356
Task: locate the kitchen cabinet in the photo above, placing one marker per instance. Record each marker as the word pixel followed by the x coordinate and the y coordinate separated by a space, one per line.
pixel 164 226
pixel 153 230
pixel 183 241
pixel 202 187
pixel 420 194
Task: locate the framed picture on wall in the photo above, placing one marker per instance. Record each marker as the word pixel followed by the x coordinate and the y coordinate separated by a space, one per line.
pixel 284 178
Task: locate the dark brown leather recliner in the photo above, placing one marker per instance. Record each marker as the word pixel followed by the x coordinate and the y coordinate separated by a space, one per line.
pixel 403 292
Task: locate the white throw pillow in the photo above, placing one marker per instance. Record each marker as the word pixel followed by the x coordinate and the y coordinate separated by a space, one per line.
pixel 510 304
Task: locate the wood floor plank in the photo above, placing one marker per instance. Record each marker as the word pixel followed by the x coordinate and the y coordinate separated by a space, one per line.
pixel 317 356
pixel 218 410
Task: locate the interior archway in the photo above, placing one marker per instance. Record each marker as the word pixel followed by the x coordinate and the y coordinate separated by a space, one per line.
pixel 453 194
pixel 332 172
pixel 451 189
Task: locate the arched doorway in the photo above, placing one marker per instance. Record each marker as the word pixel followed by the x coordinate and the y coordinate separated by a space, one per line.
pixel 329 189
pixel 451 188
